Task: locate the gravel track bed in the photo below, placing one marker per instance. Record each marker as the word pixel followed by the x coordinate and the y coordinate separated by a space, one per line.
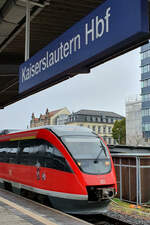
pixel 134 218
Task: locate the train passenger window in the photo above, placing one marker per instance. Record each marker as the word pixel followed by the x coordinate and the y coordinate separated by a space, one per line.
pixel 8 151
pixel 49 156
pixel 24 159
pixel 39 151
pixel 3 152
pixel 12 151
pixel 31 152
pixel 55 160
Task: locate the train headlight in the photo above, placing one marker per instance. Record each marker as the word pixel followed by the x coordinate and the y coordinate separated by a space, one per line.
pixel 79 163
pixel 107 163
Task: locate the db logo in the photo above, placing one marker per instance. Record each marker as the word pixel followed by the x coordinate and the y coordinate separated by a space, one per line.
pixel 102 181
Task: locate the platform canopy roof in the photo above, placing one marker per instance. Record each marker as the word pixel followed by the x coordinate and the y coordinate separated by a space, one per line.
pixel 47 23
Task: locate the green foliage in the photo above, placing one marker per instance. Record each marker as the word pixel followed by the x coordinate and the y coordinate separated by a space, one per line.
pixel 119 131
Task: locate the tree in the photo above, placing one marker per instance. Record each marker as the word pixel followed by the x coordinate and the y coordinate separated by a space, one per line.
pixel 119 131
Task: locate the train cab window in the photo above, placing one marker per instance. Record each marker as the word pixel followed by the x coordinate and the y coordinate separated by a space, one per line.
pixel 55 160
pixel 90 153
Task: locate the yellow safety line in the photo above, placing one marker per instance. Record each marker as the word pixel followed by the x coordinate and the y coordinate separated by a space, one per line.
pixel 27 212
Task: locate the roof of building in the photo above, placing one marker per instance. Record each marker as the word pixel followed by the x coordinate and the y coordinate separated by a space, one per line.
pixel 47 114
pixel 98 113
pixel 64 130
pixel 52 113
pixel 120 149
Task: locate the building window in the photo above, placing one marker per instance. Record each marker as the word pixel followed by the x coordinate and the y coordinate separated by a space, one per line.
pixel 146 127
pixel 145 83
pixel 88 118
pixel 99 129
pixel 93 119
pixel 115 142
pixel 145 112
pixel 104 120
pixel 109 129
pixel 81 118
pixel 94 128
pixel 146 98
pixel 109 120
pixel 104 130
pixel 98 119
pixel 145 54
pixel 145 69
pixel 109 141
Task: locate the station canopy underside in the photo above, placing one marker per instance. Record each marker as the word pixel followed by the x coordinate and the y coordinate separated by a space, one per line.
pixel 47 23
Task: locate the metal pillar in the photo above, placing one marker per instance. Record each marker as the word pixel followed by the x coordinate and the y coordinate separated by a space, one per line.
pixel 138 182
pixel 140 197
pixel 27 36
pixel 120 179
pixel 129 182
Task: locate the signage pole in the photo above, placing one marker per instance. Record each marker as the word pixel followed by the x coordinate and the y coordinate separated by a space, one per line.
pixel 27 35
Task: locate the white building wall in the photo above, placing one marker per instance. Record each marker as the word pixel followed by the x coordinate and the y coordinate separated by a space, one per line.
pixel 134 122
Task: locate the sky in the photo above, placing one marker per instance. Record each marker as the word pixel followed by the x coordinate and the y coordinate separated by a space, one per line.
pixel 106 87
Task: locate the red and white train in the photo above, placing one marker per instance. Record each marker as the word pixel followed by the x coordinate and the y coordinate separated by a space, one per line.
pixel 70 165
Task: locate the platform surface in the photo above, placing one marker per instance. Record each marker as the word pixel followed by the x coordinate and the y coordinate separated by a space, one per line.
pixel 16 210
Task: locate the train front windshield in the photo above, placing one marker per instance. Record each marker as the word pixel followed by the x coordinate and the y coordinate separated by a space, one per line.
pixel 90 153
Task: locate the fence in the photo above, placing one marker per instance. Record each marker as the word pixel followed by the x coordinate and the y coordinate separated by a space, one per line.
pixel 133 177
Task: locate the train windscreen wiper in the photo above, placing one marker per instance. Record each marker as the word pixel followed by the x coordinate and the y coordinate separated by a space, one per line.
pixel 100 152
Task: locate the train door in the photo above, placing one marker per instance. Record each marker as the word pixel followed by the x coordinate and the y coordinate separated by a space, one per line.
pixel 57 170
pixel 24 162
pixel 31 158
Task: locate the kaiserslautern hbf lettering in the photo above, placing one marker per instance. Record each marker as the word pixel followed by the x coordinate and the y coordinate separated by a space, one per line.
pixel 95 29
pixel 51 58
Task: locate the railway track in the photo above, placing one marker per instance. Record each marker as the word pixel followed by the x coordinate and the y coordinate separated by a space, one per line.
pixel 103 220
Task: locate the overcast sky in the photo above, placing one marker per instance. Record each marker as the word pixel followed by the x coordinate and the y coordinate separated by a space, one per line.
pixel 106 88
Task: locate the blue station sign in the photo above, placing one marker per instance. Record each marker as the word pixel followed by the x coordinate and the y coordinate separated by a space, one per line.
pixel 111 28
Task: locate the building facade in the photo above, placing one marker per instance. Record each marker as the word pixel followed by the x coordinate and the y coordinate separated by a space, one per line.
pixel 145 90
pixel 101 122
pixel 134 134
pixel 57 117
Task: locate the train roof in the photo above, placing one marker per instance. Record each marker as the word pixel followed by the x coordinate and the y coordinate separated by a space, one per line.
pixel 64 130
pixel 59 130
